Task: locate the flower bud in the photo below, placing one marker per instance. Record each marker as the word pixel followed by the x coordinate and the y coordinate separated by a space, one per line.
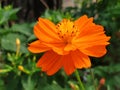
pixel 17 41
pixel 102 81
pixel 21 68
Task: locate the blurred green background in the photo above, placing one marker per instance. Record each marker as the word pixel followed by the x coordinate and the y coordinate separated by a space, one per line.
pixel 18 69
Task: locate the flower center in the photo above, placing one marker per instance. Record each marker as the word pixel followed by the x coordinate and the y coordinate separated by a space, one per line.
pixel 66 30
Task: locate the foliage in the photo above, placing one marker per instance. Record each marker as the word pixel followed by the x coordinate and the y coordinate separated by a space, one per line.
pixel 7 13
pixel 56 16
pixel 18 69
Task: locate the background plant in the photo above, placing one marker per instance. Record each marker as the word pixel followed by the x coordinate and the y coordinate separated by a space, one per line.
pixel 18 66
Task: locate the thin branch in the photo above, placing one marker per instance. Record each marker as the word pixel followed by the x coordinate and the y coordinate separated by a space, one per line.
pixel 44 3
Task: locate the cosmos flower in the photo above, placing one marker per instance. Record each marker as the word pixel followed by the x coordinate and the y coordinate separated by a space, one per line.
pixel 68 44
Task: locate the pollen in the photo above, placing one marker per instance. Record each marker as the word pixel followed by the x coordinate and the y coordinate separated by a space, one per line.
pixel 66 29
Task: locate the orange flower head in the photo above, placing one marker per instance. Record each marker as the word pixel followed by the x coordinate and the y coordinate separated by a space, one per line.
pixel 68 44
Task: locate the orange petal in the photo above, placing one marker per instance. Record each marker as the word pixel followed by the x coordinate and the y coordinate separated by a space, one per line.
pixel 91 29
pixel 45 31
pixel 68 64
pixel 85 42
pixel 58 48
pixel 96 51
pixel 37 47
pixel 83 21
pixel 56 66
pixel 69 47
pixel 50 62
pixel 91 36
pixel 51 25
pixel 80 60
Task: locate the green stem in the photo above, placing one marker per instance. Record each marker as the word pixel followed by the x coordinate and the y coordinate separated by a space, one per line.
pixel 17 50
pixel 93 78
pixel 79 80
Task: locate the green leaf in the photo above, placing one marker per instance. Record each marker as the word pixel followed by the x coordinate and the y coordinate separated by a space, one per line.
pixel 28 83
pixel 4 17
pixel 53 87
pixel 22 28
pixel 12 13
pixel 8 42
pixel 6 69
pixel 8 13
pixel 2 86
pixel 11 82
pixel 32 37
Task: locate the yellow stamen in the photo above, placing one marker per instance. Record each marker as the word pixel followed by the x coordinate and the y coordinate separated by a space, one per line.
pixel 66 30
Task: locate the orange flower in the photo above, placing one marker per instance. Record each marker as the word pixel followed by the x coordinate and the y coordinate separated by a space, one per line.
pixel 68 44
